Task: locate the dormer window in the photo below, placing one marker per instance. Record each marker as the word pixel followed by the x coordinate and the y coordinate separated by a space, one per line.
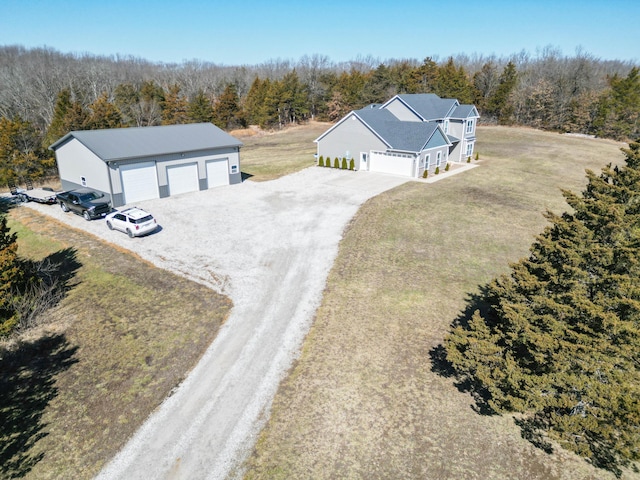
pixel 470 126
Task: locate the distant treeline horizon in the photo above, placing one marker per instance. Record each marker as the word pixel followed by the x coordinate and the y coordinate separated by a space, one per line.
pixel 45 93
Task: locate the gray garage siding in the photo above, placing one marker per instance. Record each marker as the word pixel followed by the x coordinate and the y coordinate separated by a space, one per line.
pixel 164 161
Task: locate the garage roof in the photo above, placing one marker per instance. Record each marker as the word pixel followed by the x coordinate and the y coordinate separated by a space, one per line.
pixel 121 143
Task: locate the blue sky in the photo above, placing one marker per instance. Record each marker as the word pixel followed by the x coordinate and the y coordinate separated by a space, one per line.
pixel 249 32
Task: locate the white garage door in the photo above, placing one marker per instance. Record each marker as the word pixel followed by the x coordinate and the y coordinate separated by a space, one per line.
pixel 139 182
pixel 388 163
pixel 183 179
pixel 217 173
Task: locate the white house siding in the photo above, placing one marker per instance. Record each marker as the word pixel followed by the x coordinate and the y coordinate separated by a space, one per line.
pixel 353 134
pixel 76 161
pixel 402 112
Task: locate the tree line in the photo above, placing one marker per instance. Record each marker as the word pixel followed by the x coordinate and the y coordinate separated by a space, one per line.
pixel 46 93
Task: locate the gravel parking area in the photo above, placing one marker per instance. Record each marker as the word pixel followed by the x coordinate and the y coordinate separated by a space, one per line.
pixel 269 246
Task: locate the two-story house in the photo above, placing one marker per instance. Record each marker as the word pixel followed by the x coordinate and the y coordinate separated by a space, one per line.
pixel 406 135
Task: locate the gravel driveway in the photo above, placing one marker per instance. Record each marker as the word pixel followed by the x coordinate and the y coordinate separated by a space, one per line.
pixel 269 246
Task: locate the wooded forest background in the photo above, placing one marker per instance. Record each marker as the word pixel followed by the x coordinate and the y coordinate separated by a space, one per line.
pixel 44 94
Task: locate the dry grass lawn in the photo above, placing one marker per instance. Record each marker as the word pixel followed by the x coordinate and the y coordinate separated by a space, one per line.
pixel 365 399
pixel 125 335
pixel 269 155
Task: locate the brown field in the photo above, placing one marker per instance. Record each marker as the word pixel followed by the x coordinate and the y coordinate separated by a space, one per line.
pixel 365 399
pixel 125 335
pixel 269 155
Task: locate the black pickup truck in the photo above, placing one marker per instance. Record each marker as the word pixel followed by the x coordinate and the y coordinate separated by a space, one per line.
pixel 85 202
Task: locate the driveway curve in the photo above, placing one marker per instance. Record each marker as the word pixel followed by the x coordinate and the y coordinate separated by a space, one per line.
pixel 269 246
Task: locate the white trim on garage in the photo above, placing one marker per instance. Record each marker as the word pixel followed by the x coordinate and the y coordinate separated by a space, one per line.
pixel 217 172
pixel 183 178
pixel 139 181
pixel 393 163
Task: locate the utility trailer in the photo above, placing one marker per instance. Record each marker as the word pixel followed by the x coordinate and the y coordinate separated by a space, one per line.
pixel 40 195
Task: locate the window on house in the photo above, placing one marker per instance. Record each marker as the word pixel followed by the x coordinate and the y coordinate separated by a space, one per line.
pixel 446 126
pixel 470 124
pixel 427 162
pixel 83 180
pixel 438 159
pixel 469 149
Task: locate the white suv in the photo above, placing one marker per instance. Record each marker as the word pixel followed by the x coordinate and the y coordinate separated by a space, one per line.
pixel 133 221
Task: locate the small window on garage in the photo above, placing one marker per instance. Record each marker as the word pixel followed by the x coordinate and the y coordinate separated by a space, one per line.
pixel 234 168
pixel 83 181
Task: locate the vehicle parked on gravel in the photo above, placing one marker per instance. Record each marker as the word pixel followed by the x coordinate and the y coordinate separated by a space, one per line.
pixel 88 203
pixel 133 221
pixel 30 194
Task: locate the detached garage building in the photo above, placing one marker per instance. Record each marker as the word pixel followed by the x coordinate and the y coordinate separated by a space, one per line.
pixel 135 164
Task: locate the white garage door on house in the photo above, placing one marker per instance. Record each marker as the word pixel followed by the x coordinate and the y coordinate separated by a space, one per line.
pixel 139 182
pixel 394 163
pixel 183 179
pixel 217 173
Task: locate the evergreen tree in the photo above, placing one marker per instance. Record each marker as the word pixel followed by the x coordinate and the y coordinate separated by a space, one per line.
pixel 103 114
pixel 561 339
pixel 200 109
pixel 498 105
pixel 270 112
pixel 350 86
pixel 424 79
pixel 127 99
pixel 294 99
pixel 174 107
pixel 453 82
pixel 10 275
pixel 227 113
pixel 58 126
pixel 378 87
pixel 21 154
pixel 619 110
pixel 253 100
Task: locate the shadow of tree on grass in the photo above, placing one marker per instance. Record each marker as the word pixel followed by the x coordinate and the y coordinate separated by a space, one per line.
pixel 441 365
pixel 27 385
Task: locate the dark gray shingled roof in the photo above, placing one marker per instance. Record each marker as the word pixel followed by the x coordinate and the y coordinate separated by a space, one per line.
pixel 399 135
pixel 121 143
pixel 429 105
pixel 464 111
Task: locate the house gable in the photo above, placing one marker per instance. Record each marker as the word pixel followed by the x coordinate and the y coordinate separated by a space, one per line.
pixel 427 106
pixel 401 110
pixel 349 137
pixel 437 140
